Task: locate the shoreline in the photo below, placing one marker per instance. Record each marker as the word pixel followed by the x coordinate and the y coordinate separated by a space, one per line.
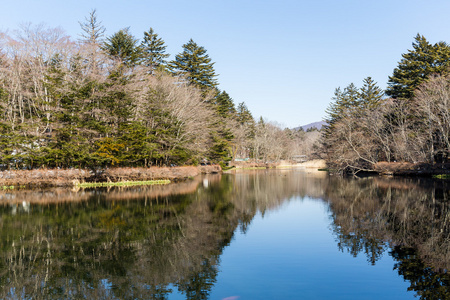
pixel 411 169
pixel 73 177
pixel 9 179
pixel 310 164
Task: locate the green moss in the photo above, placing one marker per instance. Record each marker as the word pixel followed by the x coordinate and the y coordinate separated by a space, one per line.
pixel 226 168
pixel 442 176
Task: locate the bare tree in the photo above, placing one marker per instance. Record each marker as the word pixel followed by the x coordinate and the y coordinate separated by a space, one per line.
pixel 433 107
pixel 176 112
pixel 93 30
pixel 30 54
pixel 270 142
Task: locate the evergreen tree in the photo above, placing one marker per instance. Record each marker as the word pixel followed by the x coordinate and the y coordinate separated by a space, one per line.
pixel 344 102
pixel 195 65
pixel 93 30
pixel 244 116
pixel 417 65
pixel 92 37
pixel 123 46
pixel 220 150
pixel 311 129
pixel 153 50
pixel 222 135
pixel 246 131
pixel 225 105
pixel 370 94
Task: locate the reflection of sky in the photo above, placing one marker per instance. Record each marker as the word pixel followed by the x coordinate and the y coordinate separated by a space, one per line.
pixel 291 254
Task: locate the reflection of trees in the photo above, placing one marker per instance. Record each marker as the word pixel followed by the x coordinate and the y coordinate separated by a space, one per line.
pixel 147 242
pixel 131 243
pixel 264 190
pixel 427 283
pixel 64 195
pixel 198 286
pixel 412 216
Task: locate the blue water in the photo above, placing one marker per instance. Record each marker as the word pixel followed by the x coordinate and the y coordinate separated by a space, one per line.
pixel 291 253
pixel 253 235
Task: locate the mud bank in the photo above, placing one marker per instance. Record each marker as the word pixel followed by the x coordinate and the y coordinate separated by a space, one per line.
pixel 70 177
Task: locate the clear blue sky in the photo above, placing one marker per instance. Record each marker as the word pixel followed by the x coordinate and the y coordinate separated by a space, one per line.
pixel 282 58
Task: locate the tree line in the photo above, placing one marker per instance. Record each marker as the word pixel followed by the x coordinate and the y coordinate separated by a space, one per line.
pixel 114 100
pixel 408 122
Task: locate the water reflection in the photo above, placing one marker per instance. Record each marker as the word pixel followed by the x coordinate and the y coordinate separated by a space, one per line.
pixel 371 214
pixel 148 242
pixel 411 217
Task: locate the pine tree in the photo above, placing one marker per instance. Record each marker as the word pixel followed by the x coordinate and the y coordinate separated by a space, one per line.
pixel 225 105
pixel 222 135
pixel 244 116
pixel 92 38
pixel 195 65
pixel 344 102
pixel 93 29
pixel 370 95
pixel 123 46
pixel 153 50
pixel 417 65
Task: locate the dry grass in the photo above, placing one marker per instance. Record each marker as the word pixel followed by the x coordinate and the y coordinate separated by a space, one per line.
pixel 310 164
pixel 43 177
pixel 314 164
pixel 71 177
pixel 407 168
pixel 250 165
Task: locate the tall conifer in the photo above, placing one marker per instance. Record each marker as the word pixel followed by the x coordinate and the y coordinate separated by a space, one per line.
pixel 417 65
pixel 123 46
pixel 153 50
pixel 225 105
pixel 93 30
pixel 344 102
pixel 244 116
pixel 370 95
pixel 195 64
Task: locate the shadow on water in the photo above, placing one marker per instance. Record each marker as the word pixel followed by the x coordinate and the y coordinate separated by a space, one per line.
pixel 148 242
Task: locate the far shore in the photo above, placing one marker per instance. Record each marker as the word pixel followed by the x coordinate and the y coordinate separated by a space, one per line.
pixel 380 168
pixel 310 164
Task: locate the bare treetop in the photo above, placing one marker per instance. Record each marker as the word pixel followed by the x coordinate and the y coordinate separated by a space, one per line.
pixel 93 30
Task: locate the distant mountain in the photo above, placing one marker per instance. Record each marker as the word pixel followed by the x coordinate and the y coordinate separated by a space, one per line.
pixel 318 125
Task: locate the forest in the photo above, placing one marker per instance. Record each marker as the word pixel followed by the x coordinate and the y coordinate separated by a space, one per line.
pixel 409 122
pixel 100 101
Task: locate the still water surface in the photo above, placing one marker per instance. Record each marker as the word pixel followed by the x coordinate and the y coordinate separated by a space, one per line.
pixel 250 235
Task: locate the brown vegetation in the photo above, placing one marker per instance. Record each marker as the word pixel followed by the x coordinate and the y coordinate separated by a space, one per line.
pixel 412 135
pixel 69 177
pixel 407 168
pixel 251 164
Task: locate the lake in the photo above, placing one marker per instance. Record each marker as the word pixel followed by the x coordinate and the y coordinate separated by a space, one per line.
pixel 257 234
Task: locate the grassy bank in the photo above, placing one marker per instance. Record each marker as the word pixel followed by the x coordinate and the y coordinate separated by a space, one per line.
pixel 103 177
